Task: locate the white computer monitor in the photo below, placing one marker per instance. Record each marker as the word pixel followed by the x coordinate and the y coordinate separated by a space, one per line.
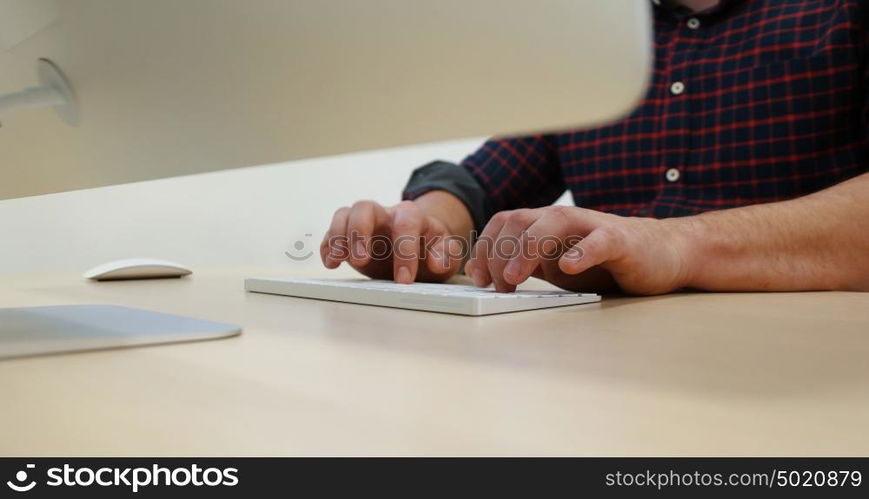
pixel 101 92
pixel 167 87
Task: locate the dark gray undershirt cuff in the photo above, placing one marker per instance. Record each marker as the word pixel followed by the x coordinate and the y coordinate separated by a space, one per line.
pixel 455 179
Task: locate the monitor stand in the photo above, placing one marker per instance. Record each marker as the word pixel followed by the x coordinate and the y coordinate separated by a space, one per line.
pixel 47 330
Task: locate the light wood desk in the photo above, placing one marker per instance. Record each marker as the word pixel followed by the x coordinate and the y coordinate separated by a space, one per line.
pixel 688 374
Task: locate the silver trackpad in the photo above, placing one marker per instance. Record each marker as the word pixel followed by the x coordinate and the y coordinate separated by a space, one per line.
pixel 44 330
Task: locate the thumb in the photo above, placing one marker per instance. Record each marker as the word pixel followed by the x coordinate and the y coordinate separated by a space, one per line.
pixel 602 245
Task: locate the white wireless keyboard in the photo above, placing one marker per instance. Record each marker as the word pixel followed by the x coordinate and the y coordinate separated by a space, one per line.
pixel 446 298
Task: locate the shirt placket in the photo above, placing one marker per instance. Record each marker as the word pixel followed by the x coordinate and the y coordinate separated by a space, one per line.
pixel 676 137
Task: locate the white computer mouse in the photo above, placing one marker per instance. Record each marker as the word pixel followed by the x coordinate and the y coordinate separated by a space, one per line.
pixel 136 268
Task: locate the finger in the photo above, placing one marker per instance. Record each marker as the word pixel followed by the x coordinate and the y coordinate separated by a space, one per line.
pixel 445 256
pixel 540 241
pixel 482 280
pixel 334 249
pixel 478 265
pixel 508 245
pixel 408 223
pixel 361 224
pixel 604 244
pixel 432 246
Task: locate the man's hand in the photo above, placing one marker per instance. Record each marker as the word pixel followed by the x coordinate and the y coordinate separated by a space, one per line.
pixel 402 242
pixel 580 250
pixel 816 242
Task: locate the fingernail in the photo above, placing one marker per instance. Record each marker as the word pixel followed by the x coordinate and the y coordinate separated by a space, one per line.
pixel 403 275
pixel 511 272
pixel 574 254
pixel 360 249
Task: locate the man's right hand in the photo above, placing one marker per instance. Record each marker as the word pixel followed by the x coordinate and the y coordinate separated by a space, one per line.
pixel 403 242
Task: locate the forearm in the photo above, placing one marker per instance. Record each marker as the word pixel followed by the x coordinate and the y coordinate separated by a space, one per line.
pixel 817 242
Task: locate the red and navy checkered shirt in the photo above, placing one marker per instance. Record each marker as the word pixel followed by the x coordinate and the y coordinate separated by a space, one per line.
pixel 754 102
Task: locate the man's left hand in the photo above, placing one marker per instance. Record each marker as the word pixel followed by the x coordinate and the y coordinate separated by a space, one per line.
pixel 580 250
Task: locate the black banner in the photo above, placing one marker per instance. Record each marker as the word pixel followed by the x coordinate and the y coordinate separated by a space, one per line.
pixel 394 477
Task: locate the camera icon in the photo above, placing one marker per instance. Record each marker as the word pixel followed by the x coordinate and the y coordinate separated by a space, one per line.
pixel 21 477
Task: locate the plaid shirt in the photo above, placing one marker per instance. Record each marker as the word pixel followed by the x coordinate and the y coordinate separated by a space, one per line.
pixel 752 102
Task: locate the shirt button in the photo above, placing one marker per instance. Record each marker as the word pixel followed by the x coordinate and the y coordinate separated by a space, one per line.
pixel 677 88
pixel 673 175
pixel 693 23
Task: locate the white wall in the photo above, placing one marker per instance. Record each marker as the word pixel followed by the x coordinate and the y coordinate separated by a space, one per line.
pixel 247 216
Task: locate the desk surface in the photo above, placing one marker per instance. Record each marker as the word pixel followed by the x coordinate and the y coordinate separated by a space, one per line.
pixel 685 374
